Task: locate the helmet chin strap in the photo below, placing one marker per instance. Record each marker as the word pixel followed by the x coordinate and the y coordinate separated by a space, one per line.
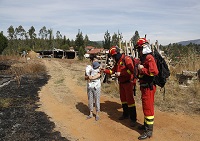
pixel 139 50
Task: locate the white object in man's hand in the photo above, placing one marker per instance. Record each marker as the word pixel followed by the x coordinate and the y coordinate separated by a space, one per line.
pixel 140 67
pixel 117 74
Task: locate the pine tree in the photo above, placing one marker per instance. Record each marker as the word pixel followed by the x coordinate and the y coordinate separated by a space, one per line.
pixel 107 40
pixel 81 53
pixel 135 38
pixel 3 42
pixel 79 42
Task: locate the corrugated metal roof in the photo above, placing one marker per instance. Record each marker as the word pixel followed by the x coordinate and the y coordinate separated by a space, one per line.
pixel 89 47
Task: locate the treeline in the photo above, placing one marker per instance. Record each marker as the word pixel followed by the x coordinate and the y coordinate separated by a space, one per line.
pixel 19 39
pixel 176 51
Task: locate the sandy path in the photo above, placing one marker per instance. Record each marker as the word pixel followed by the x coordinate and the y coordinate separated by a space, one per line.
pixel 65 103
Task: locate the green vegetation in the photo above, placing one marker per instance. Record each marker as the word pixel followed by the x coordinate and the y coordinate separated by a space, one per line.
pixel 177 51
pixel 135 38
pixel 3 42
pixel 19 39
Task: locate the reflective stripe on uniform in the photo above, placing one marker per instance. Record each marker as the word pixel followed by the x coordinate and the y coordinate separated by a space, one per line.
pixel 151 74
pixel 132 105
pixel 149 119
pixel 124 102
pixel 140 76
pixel 129 72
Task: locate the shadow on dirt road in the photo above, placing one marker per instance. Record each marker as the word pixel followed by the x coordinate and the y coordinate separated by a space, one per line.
pixel 112 109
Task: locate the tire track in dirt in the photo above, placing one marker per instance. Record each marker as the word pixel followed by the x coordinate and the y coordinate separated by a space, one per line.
pixel 66 103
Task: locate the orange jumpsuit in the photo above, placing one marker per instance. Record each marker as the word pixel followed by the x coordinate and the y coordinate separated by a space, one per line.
pixel 148 89
pixel 126 82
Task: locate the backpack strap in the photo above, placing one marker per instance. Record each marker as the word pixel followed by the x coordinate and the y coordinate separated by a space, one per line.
pixel 134 71
pixel 135 65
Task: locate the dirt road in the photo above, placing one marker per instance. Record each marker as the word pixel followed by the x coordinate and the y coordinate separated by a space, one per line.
pixel 64 100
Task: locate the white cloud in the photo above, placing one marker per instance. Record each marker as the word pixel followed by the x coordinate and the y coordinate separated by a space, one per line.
pixel 167 21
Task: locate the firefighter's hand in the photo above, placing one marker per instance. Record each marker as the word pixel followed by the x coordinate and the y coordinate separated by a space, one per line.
pixel 117 74
pixel 90 77
pixel 102 70
pixel 140 67
pixel 86 77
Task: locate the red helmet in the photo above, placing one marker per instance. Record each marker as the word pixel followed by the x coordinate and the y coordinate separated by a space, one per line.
pixel 140 42
pixel 113 50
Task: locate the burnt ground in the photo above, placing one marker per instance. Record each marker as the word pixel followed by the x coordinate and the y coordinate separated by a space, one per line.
pixel 19 119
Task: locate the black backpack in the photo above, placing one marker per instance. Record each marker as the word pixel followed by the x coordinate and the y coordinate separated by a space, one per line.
pixel 163 69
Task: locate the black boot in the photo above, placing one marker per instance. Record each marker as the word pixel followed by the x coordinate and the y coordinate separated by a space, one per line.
pixel 141 127
pixel 133 116
pixel 146 134
pixel 125 114
pixel 148 131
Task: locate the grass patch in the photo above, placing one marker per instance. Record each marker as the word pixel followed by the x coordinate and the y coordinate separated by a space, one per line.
pixel 111 88
pixel 5 102
pixel 176 98
pixel 60 81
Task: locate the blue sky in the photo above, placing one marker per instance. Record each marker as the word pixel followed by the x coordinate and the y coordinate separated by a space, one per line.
pixel 167 21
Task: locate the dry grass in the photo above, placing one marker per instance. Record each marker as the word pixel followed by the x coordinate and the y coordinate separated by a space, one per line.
pixel 4 58
pixel 18 67
pixel 176 99
pixel 15 66
pixel 179 98
pixel 111 89
pixel 5 102
pixel 191 63
pixel 28 68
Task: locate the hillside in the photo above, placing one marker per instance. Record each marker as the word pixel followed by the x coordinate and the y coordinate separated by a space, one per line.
pixel 197 41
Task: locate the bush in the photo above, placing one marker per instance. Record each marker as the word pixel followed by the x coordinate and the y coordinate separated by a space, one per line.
pixel 3 42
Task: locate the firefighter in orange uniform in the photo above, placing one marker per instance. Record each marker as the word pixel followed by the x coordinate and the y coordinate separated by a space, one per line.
pixel 124 69
pixel 147 70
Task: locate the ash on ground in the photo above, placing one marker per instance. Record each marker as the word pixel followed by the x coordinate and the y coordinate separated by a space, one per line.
pixel 19 118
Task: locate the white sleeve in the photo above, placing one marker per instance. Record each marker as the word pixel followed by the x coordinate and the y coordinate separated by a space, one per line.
pixel 88 70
